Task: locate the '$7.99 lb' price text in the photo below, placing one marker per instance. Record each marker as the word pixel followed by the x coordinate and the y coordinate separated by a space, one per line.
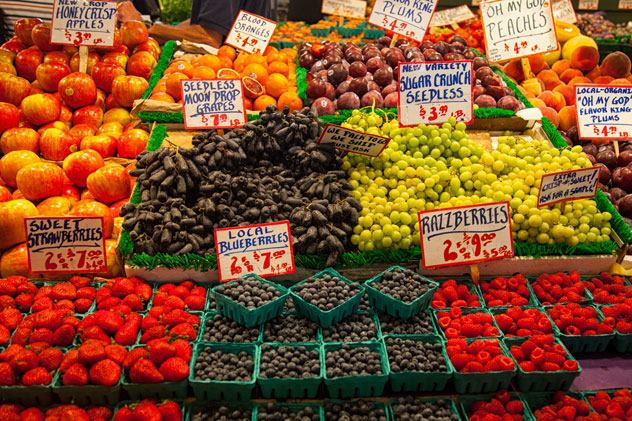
pixel 244 265
pixel 80 260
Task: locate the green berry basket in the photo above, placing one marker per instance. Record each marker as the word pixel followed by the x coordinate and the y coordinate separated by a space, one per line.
pixel 473 289
pixel 348 387
pixel 294 407
pixel 292 388
pixel 348 32
pixel 336 314
pixel 214 390
pixel 484 382
pixel 197 405
pixel 246 316
pixel 373 32
pixel 538 400
pixel 466 401
pixel 622 341
pixel 589 393
pixel 377 404
pixel 376 321
pixel 466 311
pixel 208 317
pixel 320 32
pixel 88 394
pixel 501 310
pixel 543 381
pixel 162 390
pixel 420 381
pixel 317 340
pixel 386 304
pixel 426 314
pixel 39 396
pixel 394 402
pixel 579 344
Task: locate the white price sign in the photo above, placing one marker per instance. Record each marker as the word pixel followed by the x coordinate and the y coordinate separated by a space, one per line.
pixel 432 92
pixel 518 28
pixel 625 4
pixel 563 11
pixel 250 33
pixel 465 235
pixel 354 9
pixel 406 18
pixel 83 23
pixel 353 141
pixel 450 16
pixel 604 111
pixel 65 244
pixel 213 103
pixel 265 250
pixel 588 4
pixel 568 185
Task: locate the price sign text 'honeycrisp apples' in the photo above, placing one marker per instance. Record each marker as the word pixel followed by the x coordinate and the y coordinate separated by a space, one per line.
pixel 250 33
pixel 604 111
pixel 409 18
pixel 213 104
pixel 83 23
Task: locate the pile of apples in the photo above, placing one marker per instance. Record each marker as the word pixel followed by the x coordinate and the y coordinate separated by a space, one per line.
pixel 61 131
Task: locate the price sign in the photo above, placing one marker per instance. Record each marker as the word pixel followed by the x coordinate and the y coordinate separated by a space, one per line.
pixel 604 111
pixel 568 185
pixel 65 244
pixel 476 2
pixel 563 11
pixel 518 28
pixel 465 235
pixel 625 4
pixel 408 18
pixel 250 33
pixel 353 141
pixel 450 16
pixel 83 23
pixel 432 92
pixel 213 103
pixel 264 250
pixel 588 4
pixel 354 9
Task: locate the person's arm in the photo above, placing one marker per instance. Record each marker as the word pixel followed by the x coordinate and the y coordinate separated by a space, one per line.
pixel 126 12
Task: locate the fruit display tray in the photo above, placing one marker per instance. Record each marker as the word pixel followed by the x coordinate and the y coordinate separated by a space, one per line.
pixel 392 402
pixel 579 344
pixel 484 382
pixel 622 341
pixel 467 400
pixel 85 395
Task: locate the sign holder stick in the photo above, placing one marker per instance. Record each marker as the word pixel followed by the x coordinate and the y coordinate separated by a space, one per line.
pixel 394 40
pixel 476 274
pixel 83 59
pixel 454 26
pixel 616 147
pixel 341 21
pixel 622 252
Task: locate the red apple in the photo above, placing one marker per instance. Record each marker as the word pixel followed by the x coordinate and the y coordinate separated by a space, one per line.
pixel 79 165
pixel 141 64
pixel 116 207
pixel 91 207
pixel 117 43
pixel 109 183
pixel 13 162
pixel 13 45
pixel 49 74
pixel 7 68
pixel 78 90
pixel 58 124
pixel 115 58
pixel 104 144
pixel 110 103
pixel 134 32
pixel 57 57
pixel 12 228
pixel 71 193
pixel 105 73
pixel 82 130
pixel 91 114
pixel 37 181
pixel 126 89
pixel 23 29
pixel 54 206
pixel 5 195
pixel 56 144
pixel 19 138
pixel 118 114
pixel 65 114
pixel 17 195
pixel 15 262
pixel 132 142
pixel 10 116
pixel 113 128
pixel 149 47
pixel 26 62
pixel 85 195
pixel 40 109
pixel 41 37
pixel 93 58
pixel 13 89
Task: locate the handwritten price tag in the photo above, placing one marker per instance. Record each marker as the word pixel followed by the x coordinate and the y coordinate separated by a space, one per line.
pixel 213 104
pixel 604 111
pixel 250 33
pixel 465 235
pixel 347 8
pixel 450 16
pixel 518 28
pixel 588 4
pixel 568 185
pixel 265 250
pixel 432 92
pixel 83 23
pixel 406 18
pixel 625 4
pixel 65 244
pixel 563 11
pixel 353 141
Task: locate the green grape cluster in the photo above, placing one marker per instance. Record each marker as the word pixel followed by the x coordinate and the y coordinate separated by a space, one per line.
pixel 430 167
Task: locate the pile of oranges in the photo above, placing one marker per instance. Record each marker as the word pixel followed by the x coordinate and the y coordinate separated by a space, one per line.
pixel 267 79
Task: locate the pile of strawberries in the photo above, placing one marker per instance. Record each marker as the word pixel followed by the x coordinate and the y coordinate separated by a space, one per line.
pixel 55 327
pixel 77 295
pixel 518 322
pixel 132 292
pixel 608 289
pixel 542 353
pixel 10 318
pixel 17 292
pixel 559 288
pixel 451 294
pixel 93 363
pixel 15 412
pixel 501 407
pixel 505 292
pixel 164 321
pixel 120 324
pixel 185 296
pixel 149 410
pixel 456 324
pixel 479 356
pixel 620 315
pixel 615 407
pixel 29 366
pixel 564 407
pixel 574 319
pixel 158 361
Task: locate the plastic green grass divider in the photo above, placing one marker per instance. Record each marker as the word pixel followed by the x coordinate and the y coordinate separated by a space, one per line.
pixel 163 63
pixel 160 117
pixel 301 81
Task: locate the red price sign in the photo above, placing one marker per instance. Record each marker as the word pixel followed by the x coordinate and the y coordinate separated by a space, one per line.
pixel 213 103
pixel 408 19
pixel 265 250
pixel 251 33
pixel 65 244
pixel 604 111
pixel 465 235
pixel 83 23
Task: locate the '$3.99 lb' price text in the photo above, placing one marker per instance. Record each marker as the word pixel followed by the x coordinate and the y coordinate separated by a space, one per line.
pixel 78 38
pixel 80 260
pixel 472 247
pixel 434 114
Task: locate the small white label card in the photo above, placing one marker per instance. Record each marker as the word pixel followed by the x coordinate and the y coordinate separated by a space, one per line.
pixel 354 9
pixel 83 23
pixel 604 111
pixel 213 103
pixel 408 18
pixel 568 185
pixel 250 33
pixel 453 15
pixel 588 4
pixel 563 11
pixel 349 140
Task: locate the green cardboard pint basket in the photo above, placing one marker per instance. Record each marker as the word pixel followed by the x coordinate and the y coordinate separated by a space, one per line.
pixel 466 401
pixel 87 394
pixel 485 382
pixel 39 396
pixel 294 407
pixel 377 404
pixel 579 344
pixel 215 406
pixel 394 402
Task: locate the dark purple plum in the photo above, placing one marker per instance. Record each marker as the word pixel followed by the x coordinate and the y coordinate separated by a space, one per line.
pixel 316 88
pixel 485 101
pixel 496 91
pixel 342 88
pixel 491 81
pixel 306 60
pixel 357 69
pixel 434 57
pixel 508 103
pixel 589 148
pixel 441 47
pixel 330 92
pixel 479 62
pixel 373 64
pixel 478 90
pixel 483 71
pixel 394 56
pixel 372 98
pixel 469 54
pixel 390 100
pixel 383 76
pixel 317 66
pixel 604 174
pixel 617 193
pixel 324 106
pixel 391 87
pixel 359 86
pixel 337 73
pixel 348 101
pixel 372 52
pixel 608 158
pixel 428 51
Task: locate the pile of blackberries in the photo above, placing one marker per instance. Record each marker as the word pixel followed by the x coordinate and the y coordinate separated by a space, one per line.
pixel 355 328
pixel 348 361
pixel 327 292
pixel 354 411
pixel 212 364
pixel 270 412
pixel 408 408
pixel 249 292
pixel 420 324
pixel 412 355
pixel 290 328
pixel 222 413
pixel 403 285
pixel 223 329
pixel 288 362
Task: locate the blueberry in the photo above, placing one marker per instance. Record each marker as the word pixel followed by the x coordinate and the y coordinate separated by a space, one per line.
pixel 212 364
pixel 410 408
pixel 288 328
pixel 327 292
pixel 271 412
pixel 354 411
pixel 223 329
pixel 251 292
pixel 288 362
pixel 403 285
pixel 355 328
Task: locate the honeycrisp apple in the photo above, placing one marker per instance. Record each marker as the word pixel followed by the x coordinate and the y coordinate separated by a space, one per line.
pixel 91 207
pixel 54 206
pixel 109 183
pixel 132 142
pixel 12 214
pixel 19 139
pixel 79 165
pixel 56 144
pixel 37 181
pixel 77 90
pixel 40 109
pixel 104 144
pixel 13 162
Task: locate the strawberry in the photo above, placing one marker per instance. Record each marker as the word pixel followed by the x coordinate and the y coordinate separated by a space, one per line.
pixel 109 321
pixel 144 371
pixel 161 351
pixel 10 318
pixel 123 287
pixel 50 358
pixel 90 353
pixel 134 302
pixel 124 414
pixel 195 302
pixel 108 303
pixel 9 416
pixel 99 412
pixel 79 281
pixel 88 293
pixel 76 375
pixel 49 319
pixel 127 334
pixel 170 411
pixel 64 335
pixel 116 353
pixel 71 357
pixel 153 333
pixel 23 361
pixel 41 335
pixel 63 291
pixel 105 373
pixel 184 331
pixel 5 335
pixel 174 369
pixel 180 291
pixel 21 336
pixel 37 376
pixel 24 301
pixel 147 411
pixel 183 349
pixel 96 333
pixel 133 356
pixel 144 291
pixel 82 305
pixel 74 414
pixel 7 376
pixel 32 414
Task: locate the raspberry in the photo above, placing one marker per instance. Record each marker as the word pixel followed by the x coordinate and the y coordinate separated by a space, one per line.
pixel 546 366
pixel 514 312
pixel 527 366
pixel 495 407
pixel 472 330
pixel 459 361
pixel 570 365
pixel 474 367
pixel 503 396
pixel 555 358
pixel 528 347
pixel 514 407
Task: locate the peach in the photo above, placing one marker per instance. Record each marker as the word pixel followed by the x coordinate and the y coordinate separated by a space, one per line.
pixel 567 92
pixel 537 63
pixel 534 85
pixel 553 100
pixel 560 66
pixel 594 73
pixel 616 64
pixel 574 43
pixel 620 81
pixel 513 69
pixel 549 78
pixel 568 117
pixel 585 58
pixel 551 114
pixel 603 80
pixel 568 74
pixel 579 79
pixel 537 102
pixel 630 78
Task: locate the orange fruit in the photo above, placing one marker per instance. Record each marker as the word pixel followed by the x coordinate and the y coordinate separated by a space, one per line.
pixel 262 102
pixel 292 100
pixel 183 67
pixel 258 59
pixel 278 67
pixel 247 104
pixel 161 85
pixel 290 52
pixel 208 60
pixel 276 85
pixel 162 96
pixel 257 71
pixel 204 72
pixel 173 84
pixel 227 74
pixel 273 56
pixel 225 62
pixel 228 51
pixel 269 50
pixel 240 63
pixel 252 87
